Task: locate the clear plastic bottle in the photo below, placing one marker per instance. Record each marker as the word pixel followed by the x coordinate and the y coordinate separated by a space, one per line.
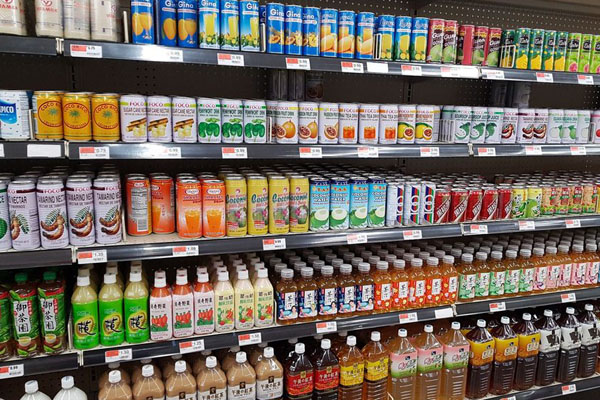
pixel 570 346
pixel 567 266
pixel 480 361
pixel 590 337
pixel 430 356
pixel 505 357
pixel 527 354
pixel 287 298
pixel 416 296
pixel 549 346
pixel 456 360
pixel 327 372
pixel 527 271
pixel 554 268
pixel 497 274
pixel 482 280
pixel 402 379
pixel 299 375
pixel 383 288
pixel 400 283
pixel 467 276
pixel 513 272
pixel 116 388
pixel 376 369
pixel 69 391
pixel 327 294
pixel 449 280
pixel 352 365
pixel 365 290
pixel 593 264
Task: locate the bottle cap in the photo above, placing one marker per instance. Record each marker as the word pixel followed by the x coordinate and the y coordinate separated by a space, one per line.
pixel 180 366
pixel 110 278
pixel 548 313
pixel 390 258
pixel 49 276
pixel 526 317
pixel 351 340
pixel 373 260
pixel 578 248
pixel 511 254
pixel 570 310
pixel 589 307
pixel 439 254
pixel 114 376
pixel 538 251
pixel 325 344
pixel 299 348
pixel 181 279
pixel 135 276
pixel 337 262
pixel 433 261
pixel 496 255
pixel 382 265
pixel 456 252
pixel 287 273
pixel 408 257
pixel 223 276
pixel 448 260
pixel 327 270
pixel 268 352
pixel 31 387
pixel 67 382
pixel 416 262
pixel 375 336
pixel 83 281
pixel 364 267
pixel 262 273
pixel 242 275
pixel 160 281
pixel 400 264
pixel 402 332
pixel 591 247
pixel 505 320
pixel 148 370
pixel 481 323
pixel 455 325
pixel 211 362
pixel 203 277
pixel 468 250
pixel 240 357
pixel 480 255
pixel 428 328
pixel 306 272
pixel 112 268
pixel 424 255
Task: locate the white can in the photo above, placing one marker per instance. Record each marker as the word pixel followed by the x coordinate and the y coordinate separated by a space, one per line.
pixel 540 129
pixel 107 208
pixel 509 125
pixel 461 124
pixel 76 19
pixel 424 125
pixel 52 211
pixel 568 133
pixel 525 125
pixel 12 17
pixel 493 125
pixel 272 112
pixel 348 131
pixel 209 120
pixel 48 18
pixel 329 118
pixel 255 121
pixel 184 119
pixel 159 119
pixel 583 126
pixel 308 122
pixel 286 122
pixel 368 124
pixel 133 118
pixel 80 209
pixel 24 223
pixel 479 119
pixel 388 123
pixel 447 123
pixel 437 115
pixel 595 126
pixel 105 20
pixel 555 123
pixel 5 241
pixel 14 117
pixel 232 118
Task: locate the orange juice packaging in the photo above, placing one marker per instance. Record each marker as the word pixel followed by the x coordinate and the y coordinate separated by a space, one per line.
pixel 189 208
pixel 213 201
pixel 138 198
pixel 163 204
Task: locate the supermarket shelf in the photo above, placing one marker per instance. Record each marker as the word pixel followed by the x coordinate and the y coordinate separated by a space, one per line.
pixel 552 391
pixel 31 149
pixel 521 150
pixel 540 224
pixel 39 365
pixel 524 75
pixel 13 259
pixel 28 45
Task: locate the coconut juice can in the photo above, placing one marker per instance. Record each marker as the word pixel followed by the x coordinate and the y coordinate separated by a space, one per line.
pixel 209 120
pixel 388 123
pixel 509 125
pixel 328 123
pixel 24 222
pixel 376 203
pixel 348 128
pixel 339 203
pixel 299 203
pixel 279 204
pixel 255 121
pixel 319 204
pixel 258 205
pixel 359 202
pixel 555 122
pixel 14 119
pixel 308 122
pixel 493 126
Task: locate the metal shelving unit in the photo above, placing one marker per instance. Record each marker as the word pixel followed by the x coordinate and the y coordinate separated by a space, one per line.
pixel 34 149
pixel 552 391
pixel 39 365
pixel 29 45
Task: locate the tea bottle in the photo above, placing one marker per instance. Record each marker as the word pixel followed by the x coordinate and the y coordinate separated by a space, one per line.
pixel 116 388
pixel 85 315
pixel 69 391
pixel 168 368
pixel 505 357
pixel 376 368
pixel 241 379
pixel 211 381
pixel 103 380
pixel 527 354
pixel 540 274
pixel 430 357
pixel 299 377
pixel 570 346
pixel 449 280
pixel 497 274
pixel 593 264
pixel 590 337
pixel 433 282
pixel 269 376
pixel 579 266
pixel 110 305
pixel 287 298
pixel 467 277
pixel 513 273
pixel 32 392
pixel 550 334
pixel 181 385
pixel 383 288
pixel 204 305
pixel 25 310
pixel 52 307
pixel 567 266
pixel 263 299
pixel 402 378
pixel 481 358
pixel 482 280
pixel 416 288
pixel 365 287
pixel 161 306
pixel 6 342
pixel 224 303
pixel 346 291
pixel 327 294
pixel 338 342
pixel 352 365
pixel 326 373
pixel 255 353
pixel 554 268
pixel 527 271
pixel 307 296
pixel 136 372
pixel 456 360
pixel 149 387
pixel 136 309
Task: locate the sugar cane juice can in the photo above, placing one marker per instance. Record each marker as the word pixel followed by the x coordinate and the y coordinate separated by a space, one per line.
pixel 258 205
pixel 184 112
pixel 105 117
pixel 139 205
pixel 236 203
pixel 208 24
pixel 319 204
pixel 346 34
pixel 77 116
pixel 162 191
pixel 133 118
pixel 279 204
pixel 159 113
pixel 47 107
pixel 403 27
pixel 299 203
pixel 189 208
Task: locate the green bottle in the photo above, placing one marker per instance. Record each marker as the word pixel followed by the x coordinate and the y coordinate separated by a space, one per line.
pixel 136 309
pixel 110 312
pixel 85 315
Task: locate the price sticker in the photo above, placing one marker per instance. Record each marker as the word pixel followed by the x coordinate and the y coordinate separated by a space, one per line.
pixel 414 234
pixel 326 327
pixel 377 67
pixel 166 55
pixel 568 389
pixel 578 151
pixel 1 150
pixel 249 338
pixel 585 79
pixel 94 153
pixel 353 67
pixel 166 152
pixel 533 150
pixel 273 244
pixel 494 74
pixel 572 223
pixel 191 346
pixel 486 151
pixel 91 257
pixel 450 72
pixel 368 152
pixel 447 312
pixel 459 72
pixel 12 371
pixel 232 60
pixel 111 356
pixel 310 152
pixel 526 225
pixel 568 298
pixel 86 51
pixel 412 70
pixel 234 152
pixel 430 151
pixel 185 251
pixel 478 229
pixel 297 63
pixel 407 318
pixel 356 238
pixel 509 398
pixel 499 306
pixel 44 151
pixel 545 77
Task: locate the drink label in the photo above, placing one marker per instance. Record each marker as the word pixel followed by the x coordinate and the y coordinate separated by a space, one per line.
pixel 591 273
pixel 327 301
pixel 225 305
pixel 482 284
pixel 570 338
pixel 376 370
pixel 578 273
pixel 416 292
pixel 433 290
pixel 204 304
pixel 136 320
pixel 497 282
pixel 364 298
pixel 529 343
pixel 540 278
pixel 346 299
pixel 383 296
pixel 526 279
pixel 327 377
pixel 481 353
pixel 307 303
pixel 554 272
pixel 5 318
pixel 270 388
pixel 506 349
pixel 287 305
pixel 111 322
pixel 550 339
pixel 212 394
pixel 565 277
pixel 403 365
pixel 52 312
pixel 85 325
pixel 466 286
pixel 512 281
pixel 351 375
pixel 182 396
pixel 400 293
pixel 450 287
pixel 430 360
pixel 183 310
pixel 300 383
pixel 242 391
pixel 456 356
pixel 590 333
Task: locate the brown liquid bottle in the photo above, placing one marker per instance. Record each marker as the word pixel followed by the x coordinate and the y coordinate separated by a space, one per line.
pixel 346 291
pixel 570 346
pixel 338 342
pixel 326 373
pixel 269 376
pixel 287 298
pixel 211 381
pixel 352 367
pixel 25 310
pixel 527 354
pixel 181 385
pixel 241 379
pixel 549 346
pixel 589 342
pixel 103 380
pixel 115 389
pixel 376 369
pixel 505 357
pixel 480 361
pixel 327 294
pixel 149 387
pixel 299 377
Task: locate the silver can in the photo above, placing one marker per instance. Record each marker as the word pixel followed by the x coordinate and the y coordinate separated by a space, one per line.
pixel 76 19
pixel 107 207
pixel 509 126
pixel 134 118
pixel 388 123
pixel 5 222
pixel 104 16
pixel 555 122
pixel 184 120
pixel 255 121
pixel 209 120
pixel 23 211
pixel 52 211
pixel 80 209
pixel 329 119
pixel 525 125
pixel 479 118
pixel 232 119
pixel 493 126
pixel 159 119
pixel 308 122
pixel 540 128
pixel 583 126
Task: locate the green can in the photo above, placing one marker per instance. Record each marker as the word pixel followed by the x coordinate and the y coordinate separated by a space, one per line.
pixel 536 48
pixel 534 202
pixel 522 48
pixel 595 63
pixel 573 52
pixel 507 48
pixel 548 52
pixel 560 51
pixel 585 56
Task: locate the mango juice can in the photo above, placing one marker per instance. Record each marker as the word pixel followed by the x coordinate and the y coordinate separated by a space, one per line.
pixel 189 208
pixel 229 32
pixel 77 116
pixel 536 48
pixel 346 34
pixel 585 56
pixel 208 24
pixel 385 28
pixel 142 22
pixel 522 48
pixel 47 108
pixel 573 52
pixel 435 40
pixel 213 208
pixel 418 39
pixel 293 30
pixel 162 191
pixel 249 26
pixel 329 29
pixel 365 30
pixel 236 205
pixel 311 17
pixel 279 204
pixel 105 117
pixel 299 192
pixel 403 27
pixel 258 205
pixel 167 22
pixel 560 51
pixel 275 27
pixel 187 23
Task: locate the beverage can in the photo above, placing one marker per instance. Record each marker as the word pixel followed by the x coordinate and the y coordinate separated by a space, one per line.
pixel 13 21
pixel 328 123
pixel 563 195
pixel 548 50
pixel 105 117
pixel 522 37
pixel 540 125
pixel 534 201
pixel 80 209
pixel 319 204
pixel 480 45
pixel 308 122
pixel 461 125
pixel 368 123
pixel 589 197
pixel 441 205
pixel 549 200
pixel 519 202
pixel 284 128
pixel 365 31
pixel 595 62
pixel 435 40
pixel 311 19
pixel 388 123
pixel 507 48
pixel 384 46
pixel 76 116
pixel 293 30
pixel 159 119
pixel 575 198
pixel 560 51
pixel 437 113
pixel 376 203
pixel 76 19
pixel 187 21
pixel 275 27
pixel 394 204
pixel 48 18
pixel 299 203
pixel 403 27
pixel 232 117
pixel 52 211
pixel 479 117
pixel 255 121
pixel 249 25
pixel 418 39
pixel 213 208
pixel 133 118
pixel 536 48
pixel 142 22
pixel 188 208
pixel 569 126
pixel 493 126
pixel 279 204
pixel 47 108
pixel 474 204
pixel 359 202
pixel 209 120
pixel 505 195
pixel 412 204
pixel 139 205
pixel 407 121
pixel 525 125
pixel 427 199
pixel 583 126
pixel 425 121
pixel 573 52
pixel 236 200
pixel 346 34
pixel 450 41
pixel 107 209
pixel 229 31
pixel 466 36
pixel 555 122
pixel 489 204
pixel 585 56
pixel 459 197
pixel 209 24
pixel 162 192
pixel 595 126
pixel 258 205
pixel 509 125
pixel 329 29
pixel 184 115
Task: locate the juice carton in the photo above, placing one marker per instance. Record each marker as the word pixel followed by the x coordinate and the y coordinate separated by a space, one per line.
pixel 493 55
pixel 346 34
pixel 450 41
pixel 586 53
pixel 548 52
pixel 573 52
pixel 187 21
pixel 208 24
pixel 465 44
pixel 522 48
pixel 403 26
pixel 480 45
pixel 329 29
pixel 293 30
pixel 385 34
pixel 229 35
pixel 275 25
pixel 249 30
pixel 418 39
pixel 435 40
pixel 167 21
pixel 310 30
pixel 507 48
pixel 560 51
pixel 365 29
pixel 142 22
pixel 595 63
pixel 536 47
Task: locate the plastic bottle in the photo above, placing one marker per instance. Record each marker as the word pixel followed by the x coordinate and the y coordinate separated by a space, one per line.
pixel 513 272
pixel 540 272
pixel 85 315
pixel 346 291
pixel 211 381
pixel 482 280
pixel 244 301
pixel 402 379
pixel 327 294
pixel 430 357
pixel 68 390
pixel 183 306
pixel 579 266
pixel 161 304
pixel 527 354
pixel 352 367
pixel 307 295
pixel 567 266
pixel 338 342
pixel 416 287
pixel 103 380
pixel 365 288
pixel 168 366
pixel 456 360
pixel 32 392
pixel 269 376
pixel 497 274
pixel 224 303
pixel 287 298
pixel 136 372
pixel 593 264
pixel 299 377
pixel 480 361
pixel 116 388
pixel 400 283
pixel 433 282
pixel 53 308
pixel 590 337
pixel 570 346
pixel 110 312
pixel 554 268
pixel 505 357
pixel 263 299
pixel 449 280
pixel 376 369
pixel 383 288
pixel 136 309
pixel 326 373
pixel 550 334
pixel 527 271
pixel 181 385
pixel 467 276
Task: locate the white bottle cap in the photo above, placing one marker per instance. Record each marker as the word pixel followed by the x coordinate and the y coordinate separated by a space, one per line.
pixel 110 278
pixel 505 320
pixel 180 366
pixel 375 336
pixel 455 325
pixel 223 276
pixel 570 310
pixel 114 376
pixel 351 340
pixel 240 357
pixel 31 387
pixel 211 362
pixel 83 281
pixel 135 276
pixel 402 332
pixel 202 277
pixel 148 370
pixel 243 274
pixel 299 349
pixel 548 313
pixel 112 269
pixel 325 344
pixel 428 328
pixel 160 281
pixel 526 317
pixel 481 323
pixel 181 279
pixel 67 382
pixel 589 307
pixel 269 352
pixel 263 273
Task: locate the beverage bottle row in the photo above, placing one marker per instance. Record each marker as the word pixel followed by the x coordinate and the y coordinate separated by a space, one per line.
pixel 68 391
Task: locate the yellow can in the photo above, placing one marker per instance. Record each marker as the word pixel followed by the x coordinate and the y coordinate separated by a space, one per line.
pixel 77 116
pixel 299 189
pixel 519 201
pixel 258 205
pixel 47 110
pixel 279 204
pixel 105 117
pixel 236 205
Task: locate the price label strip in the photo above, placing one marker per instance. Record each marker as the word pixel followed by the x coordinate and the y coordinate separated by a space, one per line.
pixel 185 251
pixel 568 298
pixel 476 229
pixel 273 244
pixel 578 151
pixel 430 151
pixel 568 389
pixel 497 307
pixel 12 371
pixel 368 152
pixel 111 356
pixel 412 70
pixel 297 63
pixel 407 318
pixel 585 79
pixel 86 51
pixel 414 234
pixel 486 151
pixel 191 346
pixel 356 238
pixel 353 67
pixel 326 327
pixel 526 225
pixel 232 60
pixel 545 77
pixel 94 153
pixel 310 152
pixel 447 312
pixel 533 150
pixel 572 223
pixel 249 338
pixel 92 257
pixel 493 74
pixel 166 152
pixel 234 153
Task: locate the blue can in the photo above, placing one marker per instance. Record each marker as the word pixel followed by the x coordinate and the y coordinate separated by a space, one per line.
pixel 293 30
pixel 275 27
pixel 365 30
pixel 167 22
pixel 403 28
pixel 229 35
pixel 385 37
pixel 359 202
pixel 142 22
pixel 262 14
pixel 418 39
pixel 249 25
pixel 329 29
pixel 319 204
pixel 208 24
pixel 310 31
pixel 339 203
pixel 346 34
pixel 377 199
pixel 187 20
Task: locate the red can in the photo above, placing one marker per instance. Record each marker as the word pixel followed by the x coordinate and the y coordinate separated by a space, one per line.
pixel 458 204
pixel 435 38
pixel 489 204
pixel 480 45
pixel 504 202
pixel 441 207
pixel 465 44
pixel 474 204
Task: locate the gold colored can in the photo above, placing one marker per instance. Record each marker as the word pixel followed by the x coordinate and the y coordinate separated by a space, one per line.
pixel 48 115
pixel 258 205
pixel 236 203
pixel 279 204
pixel 77 116
pixel 105 117
pixel 299 192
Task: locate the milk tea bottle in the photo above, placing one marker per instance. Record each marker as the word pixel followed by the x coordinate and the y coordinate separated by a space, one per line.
pixel 149 387
pixel 241 379
pixel 116 388
pixel 181 385
pixel 211 381
pixel 103 380
pixel 269 376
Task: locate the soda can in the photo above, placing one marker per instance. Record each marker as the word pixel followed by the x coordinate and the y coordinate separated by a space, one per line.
pixel 548 50
pixel 384 45
pixel 435 40
pixel 184 119
pixel 52 210
pixel 162 192
pixel 232 118
pixel 480 45
pixel 427 203
pixel 479 117
pixel 275 28
pixel 474 203
pixel 583 126
pixel 229 31
pixel 388 123
pixel 464 52
pixel 329 29
pixel 209 24
pixel 407 121
pixel 293 30
pixel 346 34
pixel 412 204
pixel 585 56
pixel 549 200
pixel 187 21
pixel 507 48
pixel 249 25
pixel 365 30
pixel 348 128
pixel 441 205
pixel 504 202
pixel 418 39
pixel 534 202
pixel 493 126
pixel 403 27
pixel 540 125
pixel 328 123
pixel 394 204
pixel 519 201
pixel 525 125
pixel 255 119
pixel 142 22
pixel 575 198
pixel 107 209
pixel 554 127
pixel 133 118
pixel 139 205
pixel 459 197
pixel 450 41
pixel 159 119
pixel 489 204
pixel 522 41
pixel 536 48
pixel 311 17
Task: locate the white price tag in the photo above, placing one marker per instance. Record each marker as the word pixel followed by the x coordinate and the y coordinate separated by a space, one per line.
pixel 191 346
pixel 450 72
pixel 115 355
pixel 232 60
pixel 545 77
pixel 526 225
pixel 249 338
pixel 185 251
pixel 414 234
pixel 234 152
pixel 1 150
pixel 430 151
pixel 509 398
pixel 493 74
pixel 412 70
pixel 273 244
pixel 499 306
pixel 533 150
pixel 368 152
pixel 459 72
pixel 477 229
pixel 166 152
pixel 310 152
pixel 12 371
pixel 166 55
pixel 326 327
pixel 578 151
pixel 353 67
pixel 297 63
pixel 486 151
pixel 447 312
pixel 43 151
pixel 568 298
pixel 86 51
pixel 572 223
pixel 585 79
pixel 356 238
pixel 91 257
pixel 407 318
pixel 568 389
pixel 94 153
pixel 377 67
